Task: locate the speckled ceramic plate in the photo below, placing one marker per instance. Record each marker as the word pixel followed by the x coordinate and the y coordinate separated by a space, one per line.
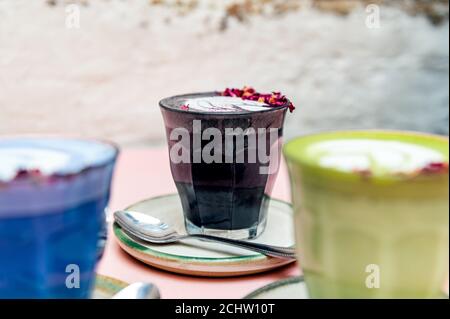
pixel 106 287
pixel 289 288
pixel 201 258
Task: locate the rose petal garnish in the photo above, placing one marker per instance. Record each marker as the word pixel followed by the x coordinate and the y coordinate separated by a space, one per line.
pixel 184 107
pixel 364 173
pixel 23 173
pixel 435 168
pixel 274 99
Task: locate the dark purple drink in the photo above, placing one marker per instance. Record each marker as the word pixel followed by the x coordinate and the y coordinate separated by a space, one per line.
pixel 224 154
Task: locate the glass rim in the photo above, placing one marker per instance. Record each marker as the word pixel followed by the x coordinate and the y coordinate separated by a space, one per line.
pixel 163 103
pixel 37 136
pixel 302 161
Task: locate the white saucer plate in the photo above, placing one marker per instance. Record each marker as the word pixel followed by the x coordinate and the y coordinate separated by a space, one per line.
pixel 201 258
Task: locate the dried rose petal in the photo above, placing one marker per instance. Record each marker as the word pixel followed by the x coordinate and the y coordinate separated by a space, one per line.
pixel 249 90
pixel 435 168
pixel 24 173
pixel 184 107
pixel 364 173
pixel 249 93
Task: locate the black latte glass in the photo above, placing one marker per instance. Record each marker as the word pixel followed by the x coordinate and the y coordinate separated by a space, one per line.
pixel 227 197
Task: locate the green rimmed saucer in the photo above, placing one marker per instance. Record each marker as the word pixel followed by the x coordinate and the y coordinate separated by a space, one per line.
pixel 106 287
pixel 201 258
pixel 289 288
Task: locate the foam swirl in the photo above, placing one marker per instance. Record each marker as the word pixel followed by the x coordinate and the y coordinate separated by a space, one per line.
pixel 378 157
pixel 50 156
pixel 224 104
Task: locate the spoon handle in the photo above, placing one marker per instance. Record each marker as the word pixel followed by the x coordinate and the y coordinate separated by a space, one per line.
pixel 268 250
pixel 138 290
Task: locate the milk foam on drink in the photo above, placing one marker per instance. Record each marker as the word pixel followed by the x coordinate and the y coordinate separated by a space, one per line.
pixel 223 104
pixel 50 156
pixel 378 157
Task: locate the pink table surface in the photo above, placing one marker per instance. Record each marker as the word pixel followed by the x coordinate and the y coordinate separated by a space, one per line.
pixel 144 173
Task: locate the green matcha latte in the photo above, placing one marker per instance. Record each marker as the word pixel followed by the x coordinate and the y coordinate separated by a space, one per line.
pixel 372 213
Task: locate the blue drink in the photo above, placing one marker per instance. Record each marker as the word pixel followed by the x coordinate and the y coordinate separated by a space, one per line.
pixel 53 193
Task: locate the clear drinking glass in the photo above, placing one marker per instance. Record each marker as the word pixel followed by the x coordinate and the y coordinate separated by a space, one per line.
pixel 51 213
pixel 371 233
pixel 229 195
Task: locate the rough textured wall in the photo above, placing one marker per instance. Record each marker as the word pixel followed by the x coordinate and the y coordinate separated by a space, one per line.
pixel 105 78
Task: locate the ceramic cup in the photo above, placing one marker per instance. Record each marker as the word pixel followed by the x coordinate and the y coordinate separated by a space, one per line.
pixel 371 213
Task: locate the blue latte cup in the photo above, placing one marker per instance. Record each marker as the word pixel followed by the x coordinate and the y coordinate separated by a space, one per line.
pixel 53 195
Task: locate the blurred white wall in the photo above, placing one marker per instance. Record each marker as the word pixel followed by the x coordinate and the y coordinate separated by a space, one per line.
pixel 105 78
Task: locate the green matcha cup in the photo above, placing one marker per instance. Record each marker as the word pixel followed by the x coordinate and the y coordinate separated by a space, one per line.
pixel 370 233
